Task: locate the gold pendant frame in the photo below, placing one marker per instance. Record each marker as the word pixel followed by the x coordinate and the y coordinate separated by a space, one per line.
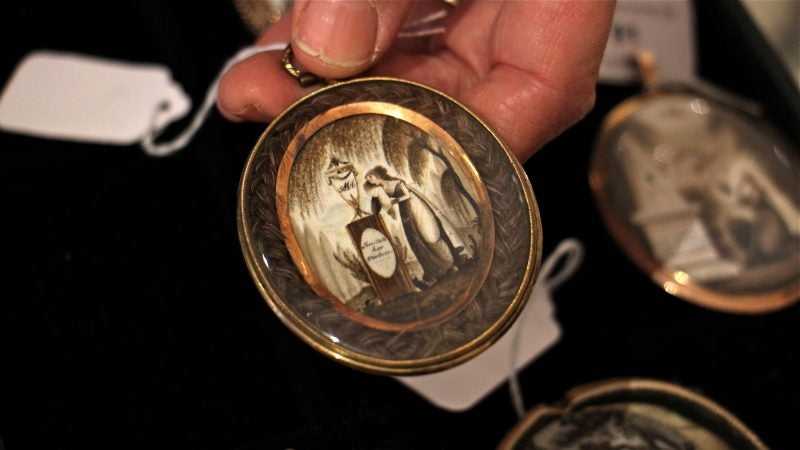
pixel 506 246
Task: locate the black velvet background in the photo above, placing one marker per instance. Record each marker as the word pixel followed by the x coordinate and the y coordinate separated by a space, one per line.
pixel 128 318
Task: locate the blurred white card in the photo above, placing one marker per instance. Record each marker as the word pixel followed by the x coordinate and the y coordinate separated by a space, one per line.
pixel 463 386
pixel 88 99
pixel 535 331
pixel 664 27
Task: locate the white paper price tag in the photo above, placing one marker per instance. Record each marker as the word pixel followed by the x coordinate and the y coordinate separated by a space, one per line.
pixel 665 27
pixel 82 98
pixel 463 386
pixel 535 331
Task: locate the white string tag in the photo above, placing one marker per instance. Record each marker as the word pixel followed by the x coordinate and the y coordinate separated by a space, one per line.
pixel 535 331
pixel 162 149
pixel 87 99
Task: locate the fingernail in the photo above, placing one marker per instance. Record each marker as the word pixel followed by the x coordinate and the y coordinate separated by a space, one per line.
pixel 249 112
pixel 338 32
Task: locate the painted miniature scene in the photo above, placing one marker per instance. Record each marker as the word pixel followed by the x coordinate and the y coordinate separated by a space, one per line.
pixel 711 200
pixel 630 426
pixel 386 219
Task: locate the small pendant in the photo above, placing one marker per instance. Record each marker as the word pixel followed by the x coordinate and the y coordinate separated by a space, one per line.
pixel 631 413
pixel 388 227
pixel 703 196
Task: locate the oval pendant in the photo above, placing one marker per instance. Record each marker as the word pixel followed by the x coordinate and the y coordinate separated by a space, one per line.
pixel 388 227
pixel 703 197
pixel 631 413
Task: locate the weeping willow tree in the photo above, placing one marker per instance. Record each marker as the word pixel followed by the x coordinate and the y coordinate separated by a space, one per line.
pixel 363 139
pixel 409 150
pixel 354 139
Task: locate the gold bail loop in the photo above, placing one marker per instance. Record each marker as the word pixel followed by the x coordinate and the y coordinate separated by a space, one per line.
pixel 305 79
pixel 648 69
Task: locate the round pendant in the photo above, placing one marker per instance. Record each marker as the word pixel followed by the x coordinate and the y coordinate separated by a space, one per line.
pixel 703 197
pixel 631 413
pixel 388 227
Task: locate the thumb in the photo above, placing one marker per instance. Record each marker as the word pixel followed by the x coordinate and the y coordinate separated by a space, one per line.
pixel 341 38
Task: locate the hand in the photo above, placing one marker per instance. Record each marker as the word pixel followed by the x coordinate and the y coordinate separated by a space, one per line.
pixel 528 68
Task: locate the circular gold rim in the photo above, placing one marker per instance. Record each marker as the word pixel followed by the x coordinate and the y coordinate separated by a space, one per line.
pixel 373 364
pixel 464 164
pixel 586 394
pixel 761 303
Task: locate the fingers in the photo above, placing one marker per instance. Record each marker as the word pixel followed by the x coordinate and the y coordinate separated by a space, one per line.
pixel 528 68
pixel 342 38
pixel 331 38
pixel 542 78
pixel 258 89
